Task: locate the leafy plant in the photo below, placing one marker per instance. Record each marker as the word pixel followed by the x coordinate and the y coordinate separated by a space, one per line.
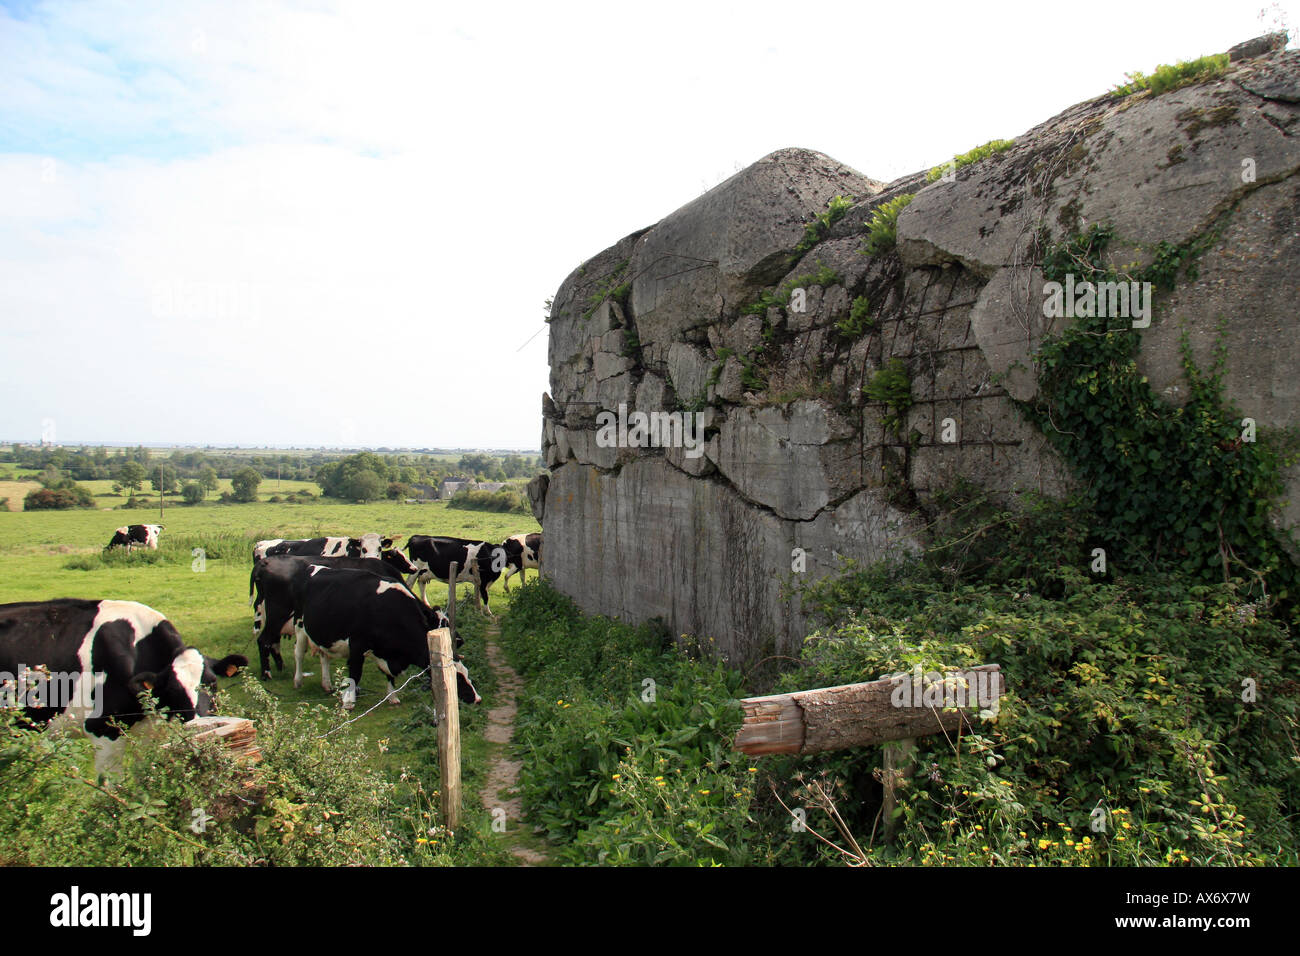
pixel 858 320
pixel 882 228
pixel 1166 77
pixel 1123 704
pixel 817 230
pixel 609 287
pixel 625 738
pixel 823 276
pixel 990 148
pixel 1170 485
pixel 891 385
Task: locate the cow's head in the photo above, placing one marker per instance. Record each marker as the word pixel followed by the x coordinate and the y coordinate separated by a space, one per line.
pixel 398 561
pixel 187 686
pixel 464 686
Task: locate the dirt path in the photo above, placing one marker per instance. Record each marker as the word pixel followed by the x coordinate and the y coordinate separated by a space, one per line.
pixel 501 790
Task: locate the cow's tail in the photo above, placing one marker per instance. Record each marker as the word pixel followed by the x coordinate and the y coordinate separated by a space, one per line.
pixel 252 580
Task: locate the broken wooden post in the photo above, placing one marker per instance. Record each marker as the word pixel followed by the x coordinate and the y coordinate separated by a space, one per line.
pixel 442 669
pixel 899 708
pixel 857 715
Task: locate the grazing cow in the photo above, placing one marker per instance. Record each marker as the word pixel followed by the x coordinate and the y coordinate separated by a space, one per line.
pixel 366 546
pixel 476 561
pixel 132 535
pixel 522 551
pixel 109 652
pixel 274 589
pixel 355 614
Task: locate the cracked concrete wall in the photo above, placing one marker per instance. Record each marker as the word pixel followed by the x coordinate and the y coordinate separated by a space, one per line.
pixel 796 456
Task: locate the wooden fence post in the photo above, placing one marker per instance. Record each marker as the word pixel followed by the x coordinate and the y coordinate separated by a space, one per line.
pixel 451 595
pixel 900 757
pixel 447 705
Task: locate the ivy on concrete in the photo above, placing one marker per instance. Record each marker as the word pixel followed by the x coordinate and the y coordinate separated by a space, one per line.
pixel 1182 486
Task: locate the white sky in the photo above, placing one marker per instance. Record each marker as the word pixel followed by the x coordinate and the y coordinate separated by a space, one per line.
pixel 336 223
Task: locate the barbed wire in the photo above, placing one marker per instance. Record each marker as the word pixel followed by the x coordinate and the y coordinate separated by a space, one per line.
pixel 382 700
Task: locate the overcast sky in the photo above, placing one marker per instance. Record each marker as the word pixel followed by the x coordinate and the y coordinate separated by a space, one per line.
pixel 336 224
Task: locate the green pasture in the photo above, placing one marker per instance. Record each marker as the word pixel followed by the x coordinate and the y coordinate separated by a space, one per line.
pixel 53 554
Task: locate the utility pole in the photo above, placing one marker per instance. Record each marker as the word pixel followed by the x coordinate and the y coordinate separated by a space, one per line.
pixel 161 492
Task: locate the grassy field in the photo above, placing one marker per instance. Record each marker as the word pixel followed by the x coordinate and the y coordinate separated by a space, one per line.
pixel 53 554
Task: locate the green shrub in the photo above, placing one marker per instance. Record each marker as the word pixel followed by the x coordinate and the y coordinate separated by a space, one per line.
pixel 614 772
pixel 500 501
pixel 1182 73
pixel 882 228
pixel 973 156
pixel 310 801
pixel 1125 696
pixel 68 495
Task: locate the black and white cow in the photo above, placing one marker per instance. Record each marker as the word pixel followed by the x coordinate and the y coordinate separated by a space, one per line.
pixel 134 535
pixel 356 614
pixel 476 561
pixel 366 546
pixel 522 551
pixel 274 589
pixel 111 651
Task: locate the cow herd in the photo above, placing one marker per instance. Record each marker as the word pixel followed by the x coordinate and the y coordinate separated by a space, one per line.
pixel 339 597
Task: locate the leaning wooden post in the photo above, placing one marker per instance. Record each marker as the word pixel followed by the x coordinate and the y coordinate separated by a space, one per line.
pixel 451 594
pixel 900 758
pixel 447 706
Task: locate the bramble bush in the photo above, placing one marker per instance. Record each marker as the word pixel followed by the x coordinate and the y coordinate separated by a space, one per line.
pixel 1147 720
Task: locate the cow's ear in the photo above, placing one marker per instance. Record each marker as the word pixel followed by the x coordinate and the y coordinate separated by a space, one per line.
pixel 230 665
pixel 142 682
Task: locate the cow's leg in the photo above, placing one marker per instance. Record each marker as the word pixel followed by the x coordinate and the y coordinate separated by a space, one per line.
pixel 264 652
pixel 355 659
pixel 325 671
pixel 388 675
pixel 299 648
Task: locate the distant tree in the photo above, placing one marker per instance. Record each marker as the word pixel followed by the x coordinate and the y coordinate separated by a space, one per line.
pixel 398 490
pixel 337 478
pixel 192 492
pixel 364 485
pixel 163 478
pixel 208 479
pixel 245 484
pixel 478 464
pixel 131 475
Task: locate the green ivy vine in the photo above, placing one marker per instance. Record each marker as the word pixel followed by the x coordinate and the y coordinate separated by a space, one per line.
pixel 1183 486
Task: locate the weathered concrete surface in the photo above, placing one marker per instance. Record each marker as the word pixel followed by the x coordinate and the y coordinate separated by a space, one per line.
pixel 795 455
